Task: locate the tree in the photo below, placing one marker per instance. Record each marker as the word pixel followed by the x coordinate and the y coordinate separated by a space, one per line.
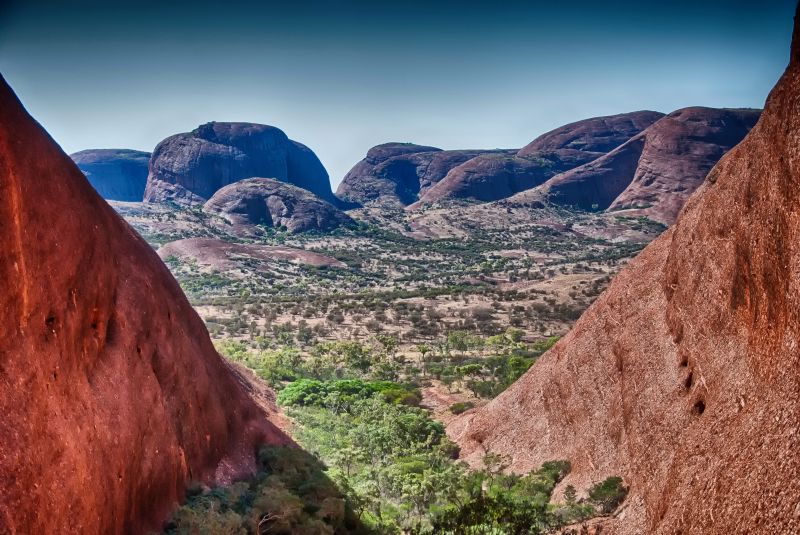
pixel 423 349
pixel 388 342
pixel 459 340
pixel 570 495
pixel 608 494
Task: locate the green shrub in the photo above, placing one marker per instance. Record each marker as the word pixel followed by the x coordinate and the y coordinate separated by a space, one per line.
pixel 503 503
pixel 461 406
pixel 608 494
pixel 341 394
pixel 290 494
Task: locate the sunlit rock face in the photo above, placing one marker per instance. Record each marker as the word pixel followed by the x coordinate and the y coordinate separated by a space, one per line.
pixel 113 398
pixel 656 171
pixel 272 203
pixel 189 168
pixel 500 174
pixel 684 376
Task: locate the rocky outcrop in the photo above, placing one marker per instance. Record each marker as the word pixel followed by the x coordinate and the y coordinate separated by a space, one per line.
pixel 269 202
pixel 498 176
pixel 406 174
pixel 189 168
pixel 116 174
pixel 684 376
pixel 490 177
pixel 597 135
pixel 656 171
pixel 398 173
pixel 112 395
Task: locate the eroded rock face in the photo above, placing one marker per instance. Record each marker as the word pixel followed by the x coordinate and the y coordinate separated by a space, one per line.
pixel 684 376
pixel 498 176
pixel 269 202
pixel 656 171
pixel 116 174
pixel 598 135
pixel 391 173
pixel 489 177
pixel 113 397
pixel 189 168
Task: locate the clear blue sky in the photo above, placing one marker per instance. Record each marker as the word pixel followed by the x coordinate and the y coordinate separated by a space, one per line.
pixel 344 76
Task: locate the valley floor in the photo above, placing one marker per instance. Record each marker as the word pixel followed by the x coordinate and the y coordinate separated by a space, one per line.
pixel 377 336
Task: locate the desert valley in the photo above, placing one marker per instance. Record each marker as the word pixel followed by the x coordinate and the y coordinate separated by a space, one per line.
pixel 593 333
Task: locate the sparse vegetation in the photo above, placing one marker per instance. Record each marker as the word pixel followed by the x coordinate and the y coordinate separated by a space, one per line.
pixel 291 495
pixel 361 346
pixel 461 406
pixel 608 494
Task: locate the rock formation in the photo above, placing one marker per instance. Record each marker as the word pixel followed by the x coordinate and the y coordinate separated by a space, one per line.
pixel 656 171
pixel 684 376
pixel 189 168
pixel 112 395
pixel 596 136
pixel 398 173
pixel 116 174
pixel 269 202
pixel 497 176
pixel 489 177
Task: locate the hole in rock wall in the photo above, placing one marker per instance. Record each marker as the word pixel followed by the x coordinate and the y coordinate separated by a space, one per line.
pixel 699 407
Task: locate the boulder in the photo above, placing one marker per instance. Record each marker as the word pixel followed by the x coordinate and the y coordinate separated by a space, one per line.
pixel 189 168
pixel 272 203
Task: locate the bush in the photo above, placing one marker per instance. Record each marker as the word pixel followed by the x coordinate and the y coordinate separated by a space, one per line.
pixel 340 394
pixel 503 503
pixel 291 494
pixel 461 406
pixel 608 494
pixel 401 396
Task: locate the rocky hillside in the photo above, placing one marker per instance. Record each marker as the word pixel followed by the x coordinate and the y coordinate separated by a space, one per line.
pixel 269 202
pixel 189 168
pixel 402 174
pixel 116 174
pixel 491 177
pixel 398 173
pixel 113 397
pixel 683 376
pixel 656 171
pixel 595 136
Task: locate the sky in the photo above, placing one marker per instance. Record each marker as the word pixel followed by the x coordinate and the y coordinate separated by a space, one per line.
pixel 343 76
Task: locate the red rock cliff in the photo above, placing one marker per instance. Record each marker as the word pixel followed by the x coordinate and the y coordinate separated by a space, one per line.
pixel 111 393
pixel 684 377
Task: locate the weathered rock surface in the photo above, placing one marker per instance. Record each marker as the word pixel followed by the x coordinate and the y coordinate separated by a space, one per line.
pixel 490 177
pixel 189 168
pixel 498 176
pixel 269 202
pixel 597 135
pixel 684 376
pixel 112 395
pixel 657 170
pixel 116 174
pixel 398 173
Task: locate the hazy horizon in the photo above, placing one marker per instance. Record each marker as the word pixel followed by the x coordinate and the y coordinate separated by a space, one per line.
pixel 342 77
